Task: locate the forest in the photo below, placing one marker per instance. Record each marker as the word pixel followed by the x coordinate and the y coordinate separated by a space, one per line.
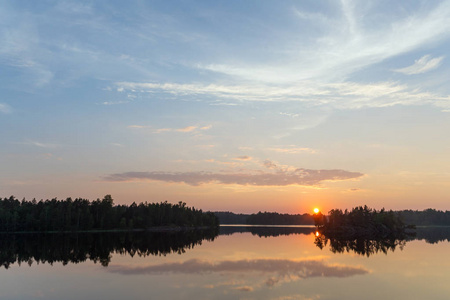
pixel 427 217
pixel 264 218
pixel 84 215
pixel 361 222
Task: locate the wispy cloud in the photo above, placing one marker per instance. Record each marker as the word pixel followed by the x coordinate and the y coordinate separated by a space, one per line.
pixel 269 164
pixel 293 150
pixel 5 108
pixel 279 177
pixel 292 115
pixel 186 129
pixel 340 95
pixel 114 102
pixel 316 72
pixel 117 145
pixel 243 157
pixel 345 45
pixel 244 288
pixel 422 65
pixel 42 145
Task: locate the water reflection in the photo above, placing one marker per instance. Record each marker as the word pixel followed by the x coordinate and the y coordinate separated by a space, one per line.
pixel 433 235
pixel 266 231
pixel 365 247
pixel 368 247
pixel 98 247
pixel 277 270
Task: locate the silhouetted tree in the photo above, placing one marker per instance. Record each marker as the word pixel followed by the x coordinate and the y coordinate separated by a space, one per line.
pixel 81 214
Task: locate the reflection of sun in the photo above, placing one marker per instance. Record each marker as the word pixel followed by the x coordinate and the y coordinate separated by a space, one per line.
pixel 317 233
pixel 316 210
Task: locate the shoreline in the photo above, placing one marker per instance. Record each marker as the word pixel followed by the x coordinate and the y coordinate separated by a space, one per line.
pixel 150 229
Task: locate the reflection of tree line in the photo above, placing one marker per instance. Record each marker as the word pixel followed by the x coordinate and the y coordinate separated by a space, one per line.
pixel 361 246
pixel 98 247
pixel 433 235
pixel 266 231
pixel 372 246
pixel 365 247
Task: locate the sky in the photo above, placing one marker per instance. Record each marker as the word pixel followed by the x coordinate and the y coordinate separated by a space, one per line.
pixel 239 106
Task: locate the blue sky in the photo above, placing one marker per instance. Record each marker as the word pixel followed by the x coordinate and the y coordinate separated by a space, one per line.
pixel 230 105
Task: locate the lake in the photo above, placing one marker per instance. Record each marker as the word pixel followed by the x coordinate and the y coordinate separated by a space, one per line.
pixel 238 262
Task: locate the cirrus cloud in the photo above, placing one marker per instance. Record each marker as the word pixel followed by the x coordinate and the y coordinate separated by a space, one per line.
pixel 5 108
pixel 187 129
pixel 338 95
pixel 422 65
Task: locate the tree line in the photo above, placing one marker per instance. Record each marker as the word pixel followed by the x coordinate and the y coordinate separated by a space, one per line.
pixel 360 221
pixel 264 218
pixel 81 214
pixel 426 217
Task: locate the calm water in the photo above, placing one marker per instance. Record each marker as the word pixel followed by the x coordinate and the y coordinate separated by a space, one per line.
pixel 239 263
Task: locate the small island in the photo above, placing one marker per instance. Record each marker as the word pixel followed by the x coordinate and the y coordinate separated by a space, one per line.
pixel 83 215
pixel 361 222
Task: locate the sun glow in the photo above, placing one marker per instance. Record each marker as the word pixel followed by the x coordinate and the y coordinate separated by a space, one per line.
pixel 316 210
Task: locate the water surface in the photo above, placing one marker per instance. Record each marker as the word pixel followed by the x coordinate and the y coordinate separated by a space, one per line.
pixel 237 263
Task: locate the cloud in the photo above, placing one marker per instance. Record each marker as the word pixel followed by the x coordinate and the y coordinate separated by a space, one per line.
pixel 227 163
pixel 186 129
pixel 244 288
pixel 293 150
pixel 422 65
pixel 5 108
pixel 339 95
pixel 278 268
pixel 207 127
pixel 114 102
pixel 160 130
pixel 290 114
pixel 269 164
pixel 117 145
pixel 316 72
pixel 42 145
pixel 243 157
pixel 281 177
pixel 354 37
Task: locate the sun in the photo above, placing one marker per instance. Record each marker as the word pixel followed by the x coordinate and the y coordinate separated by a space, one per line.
pixel 316 210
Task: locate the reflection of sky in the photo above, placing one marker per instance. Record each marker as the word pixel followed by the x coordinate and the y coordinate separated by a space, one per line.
pixel 276 269
pixel 243 266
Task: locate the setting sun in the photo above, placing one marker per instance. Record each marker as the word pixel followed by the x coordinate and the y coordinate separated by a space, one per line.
pixel 316 210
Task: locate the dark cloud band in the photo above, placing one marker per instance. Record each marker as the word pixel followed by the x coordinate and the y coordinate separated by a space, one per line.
pixel 279 178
